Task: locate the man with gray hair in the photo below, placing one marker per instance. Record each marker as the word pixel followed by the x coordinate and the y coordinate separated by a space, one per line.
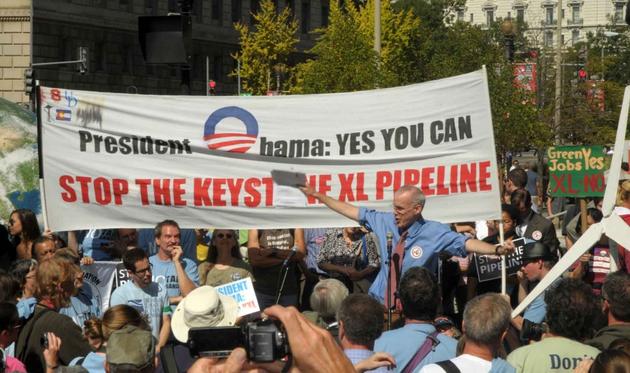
pixel 486 320
pixel 415 241
pixel 325 301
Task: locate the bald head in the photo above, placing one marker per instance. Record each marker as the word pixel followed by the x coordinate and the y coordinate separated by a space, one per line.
pixel 408 204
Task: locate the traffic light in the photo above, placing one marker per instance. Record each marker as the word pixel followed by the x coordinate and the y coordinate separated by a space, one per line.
pixel 211 88
pixel 29 81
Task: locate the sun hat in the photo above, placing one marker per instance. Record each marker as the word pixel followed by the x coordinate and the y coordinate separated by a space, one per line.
pixel 203 307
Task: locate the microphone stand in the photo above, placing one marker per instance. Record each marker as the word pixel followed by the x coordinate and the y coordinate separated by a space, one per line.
pixel 389 281
pixel 284 271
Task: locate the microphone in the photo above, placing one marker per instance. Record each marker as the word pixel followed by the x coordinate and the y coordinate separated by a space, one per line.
pixel 291 254
pixel 390 237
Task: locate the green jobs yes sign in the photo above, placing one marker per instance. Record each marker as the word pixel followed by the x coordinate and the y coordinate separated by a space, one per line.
pixel 577 171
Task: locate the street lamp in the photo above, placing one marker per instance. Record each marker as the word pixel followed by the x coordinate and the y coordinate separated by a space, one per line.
pixel 508 29
pixel 607 34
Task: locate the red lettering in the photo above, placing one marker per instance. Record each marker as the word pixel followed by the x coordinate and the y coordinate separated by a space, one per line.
pixel 427 181
pixel 397 179
pixel 85 194
pixel 144 192
pixel 346 193
pixel 484 175
pixel 312 180
pixel 324 183
pixel 69 195
pixel 441 189
pixel 454 182
pixel 467 177
pixel 120 188
pixel 268 183
pixel 162 191
pixel 570 184
pixel 235 185
pixel 201 187
pixel 559 180
pixel 361 196
pixel 178 192
pixel 383 180
pixel 218 191
pixel 251 186
pixel 412 177
pixel 102 191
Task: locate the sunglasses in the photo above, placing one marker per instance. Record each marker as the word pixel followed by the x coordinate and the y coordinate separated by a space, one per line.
pixel 222 236
pixel 143 271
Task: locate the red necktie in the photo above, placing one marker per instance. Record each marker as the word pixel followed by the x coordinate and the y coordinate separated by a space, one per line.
pixel 396 266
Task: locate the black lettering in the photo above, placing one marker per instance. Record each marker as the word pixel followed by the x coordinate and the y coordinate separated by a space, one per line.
pixel 266 147
pixel 97 143
pixel 402 137
pixel 417 135
pixel 437 137
pixel 355 143
pixel 387 136
pixel 110 145
pixel 161 146
pixel 124 145
pixel 450 133
pixel 84 138
pixel 341 140
pixel 555 361
pixel 281 149
pixel 465 130
pixel 368 146
pixel 299 148
pixel 317 148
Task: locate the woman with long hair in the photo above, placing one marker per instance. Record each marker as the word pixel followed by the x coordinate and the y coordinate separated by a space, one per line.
pixel 24 229
pixel 224 263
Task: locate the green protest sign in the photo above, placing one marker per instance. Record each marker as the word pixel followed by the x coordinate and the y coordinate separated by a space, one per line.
pixel 577 171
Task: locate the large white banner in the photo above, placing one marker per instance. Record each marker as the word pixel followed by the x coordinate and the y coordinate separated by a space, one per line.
pixel 120 160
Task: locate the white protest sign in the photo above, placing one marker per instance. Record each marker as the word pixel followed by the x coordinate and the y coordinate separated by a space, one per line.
pixel 122 160
pixel 243 293
pixel 100 278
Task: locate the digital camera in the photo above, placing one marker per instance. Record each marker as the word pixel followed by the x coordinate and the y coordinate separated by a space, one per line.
pixel 264 341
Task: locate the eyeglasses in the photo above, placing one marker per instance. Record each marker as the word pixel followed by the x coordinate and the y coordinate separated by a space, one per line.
pixel 141 272
pixel 222 236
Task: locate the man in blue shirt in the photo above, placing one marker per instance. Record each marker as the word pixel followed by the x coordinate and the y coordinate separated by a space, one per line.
pixel 420 297
pixel 360 320
pixel 425 239
pixel 141 293
pixel 178 275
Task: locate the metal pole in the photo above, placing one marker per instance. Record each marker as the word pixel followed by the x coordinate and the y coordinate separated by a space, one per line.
pixel 207 76
pixel 603 66
pixel 377 27
pixel 558 60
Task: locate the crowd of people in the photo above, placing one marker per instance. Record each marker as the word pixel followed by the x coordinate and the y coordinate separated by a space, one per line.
pixel 395 292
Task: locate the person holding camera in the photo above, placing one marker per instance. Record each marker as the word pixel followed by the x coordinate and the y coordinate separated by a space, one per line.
pixel 571 309
pixel 537 261
pixel 55 285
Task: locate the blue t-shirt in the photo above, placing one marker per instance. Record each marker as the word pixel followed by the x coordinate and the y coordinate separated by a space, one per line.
pixel 188 241
pixel 314 238
pixel 164 273
pixel 91 241
pixel 403 343
pixel 151 301
pixel 425 240
pixel 537 309
pixel 82 307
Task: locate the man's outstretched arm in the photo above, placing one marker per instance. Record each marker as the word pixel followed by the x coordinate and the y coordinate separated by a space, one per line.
pixel 344 208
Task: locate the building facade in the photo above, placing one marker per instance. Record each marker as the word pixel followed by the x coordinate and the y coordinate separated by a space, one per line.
pixel 108 28
pixel 15 48
pixel 579 17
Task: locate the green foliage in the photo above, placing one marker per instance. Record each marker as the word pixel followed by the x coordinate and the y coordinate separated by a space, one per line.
pixel 344 57
pixel 266 47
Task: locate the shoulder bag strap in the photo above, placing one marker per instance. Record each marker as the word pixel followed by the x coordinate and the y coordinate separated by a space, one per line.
pixel 429 344
pixel 448 366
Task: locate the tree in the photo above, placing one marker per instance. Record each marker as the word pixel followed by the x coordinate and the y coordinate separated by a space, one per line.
pixel 344 58
pixel 266 48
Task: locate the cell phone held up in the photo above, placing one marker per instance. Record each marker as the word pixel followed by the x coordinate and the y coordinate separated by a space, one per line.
pixel 264 341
